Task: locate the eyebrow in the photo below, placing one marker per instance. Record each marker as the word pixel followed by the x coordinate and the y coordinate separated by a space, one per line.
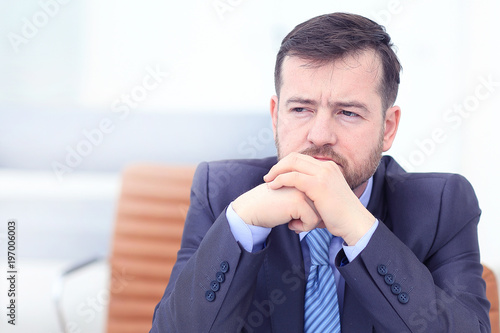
pixel 335 105
pixel 350 104
pixel 300 100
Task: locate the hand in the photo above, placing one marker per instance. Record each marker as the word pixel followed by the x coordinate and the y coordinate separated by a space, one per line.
pixel 265 207
pixel 323 183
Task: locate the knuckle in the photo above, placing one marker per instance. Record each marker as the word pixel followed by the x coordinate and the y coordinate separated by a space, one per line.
pixel 331 166
pixel 325 171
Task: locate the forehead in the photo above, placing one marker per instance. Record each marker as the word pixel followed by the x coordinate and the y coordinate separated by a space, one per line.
pixel 354 75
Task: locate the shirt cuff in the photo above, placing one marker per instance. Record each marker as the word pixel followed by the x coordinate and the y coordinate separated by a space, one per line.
pixel 351 252
pixel 251 237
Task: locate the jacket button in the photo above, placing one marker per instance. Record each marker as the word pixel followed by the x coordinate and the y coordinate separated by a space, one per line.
pixel 224 267
pixel 215 286
pixel 389 279
pixel 210 295
pixel 382 269
pixel 396 288
pixel 403 298
pixel 220 277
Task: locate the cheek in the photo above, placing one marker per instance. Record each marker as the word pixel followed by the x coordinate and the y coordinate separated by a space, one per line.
pixel 358 148
pixel 290 139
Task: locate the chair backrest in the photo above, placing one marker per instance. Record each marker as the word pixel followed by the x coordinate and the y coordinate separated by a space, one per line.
pixel 148 228
pixel 492 294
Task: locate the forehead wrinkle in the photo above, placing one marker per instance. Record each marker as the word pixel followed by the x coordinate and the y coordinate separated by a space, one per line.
pixel 367 61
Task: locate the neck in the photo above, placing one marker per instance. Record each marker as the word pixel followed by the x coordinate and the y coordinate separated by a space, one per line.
pixel 358 191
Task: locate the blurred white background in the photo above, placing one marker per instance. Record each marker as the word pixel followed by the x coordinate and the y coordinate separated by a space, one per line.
pixel 87 87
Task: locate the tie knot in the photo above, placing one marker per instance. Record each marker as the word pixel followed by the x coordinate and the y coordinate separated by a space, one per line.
pixel 319 244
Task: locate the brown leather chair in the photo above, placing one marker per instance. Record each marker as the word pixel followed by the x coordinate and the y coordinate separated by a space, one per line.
pixel 492 294
pixel 150 218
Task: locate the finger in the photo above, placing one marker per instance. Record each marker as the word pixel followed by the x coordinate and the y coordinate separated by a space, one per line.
pixel 290 179
pixel 296 225
pixel 305 217
pixel 291 162
pixel 294 162
pixel 299 226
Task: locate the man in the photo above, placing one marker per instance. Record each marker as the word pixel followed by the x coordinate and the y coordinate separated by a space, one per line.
pixel 408 262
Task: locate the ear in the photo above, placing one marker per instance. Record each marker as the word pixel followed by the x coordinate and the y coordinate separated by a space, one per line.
pixel 274 113
pixel 391 124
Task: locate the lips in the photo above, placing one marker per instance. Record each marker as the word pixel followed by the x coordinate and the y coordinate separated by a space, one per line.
pixel 326 159
pixel 325 153
pixel 323 158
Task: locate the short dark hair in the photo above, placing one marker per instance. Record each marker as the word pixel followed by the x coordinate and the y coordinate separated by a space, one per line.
pixel 330 37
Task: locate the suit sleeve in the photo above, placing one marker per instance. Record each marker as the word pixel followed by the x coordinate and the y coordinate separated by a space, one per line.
pixel 193 302
pixel 441 290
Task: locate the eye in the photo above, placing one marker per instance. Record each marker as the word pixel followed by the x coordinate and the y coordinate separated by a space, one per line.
pixel 299 110
pixel 349 113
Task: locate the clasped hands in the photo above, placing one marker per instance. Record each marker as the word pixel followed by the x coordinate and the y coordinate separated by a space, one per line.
pixel 306 193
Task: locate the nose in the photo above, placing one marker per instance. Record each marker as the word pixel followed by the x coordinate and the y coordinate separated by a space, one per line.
pixel 321 131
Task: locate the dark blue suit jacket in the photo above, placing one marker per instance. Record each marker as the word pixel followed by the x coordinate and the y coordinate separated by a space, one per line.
pixel 420 272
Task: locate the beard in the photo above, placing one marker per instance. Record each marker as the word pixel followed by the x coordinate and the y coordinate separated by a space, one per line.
pixel 354 176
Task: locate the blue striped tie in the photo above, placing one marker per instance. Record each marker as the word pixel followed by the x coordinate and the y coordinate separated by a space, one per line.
pixel 321 309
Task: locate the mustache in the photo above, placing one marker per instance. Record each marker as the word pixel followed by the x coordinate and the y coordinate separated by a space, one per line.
pixel 325 151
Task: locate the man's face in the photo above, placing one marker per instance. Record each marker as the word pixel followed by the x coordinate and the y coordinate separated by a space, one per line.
pixel 334 112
